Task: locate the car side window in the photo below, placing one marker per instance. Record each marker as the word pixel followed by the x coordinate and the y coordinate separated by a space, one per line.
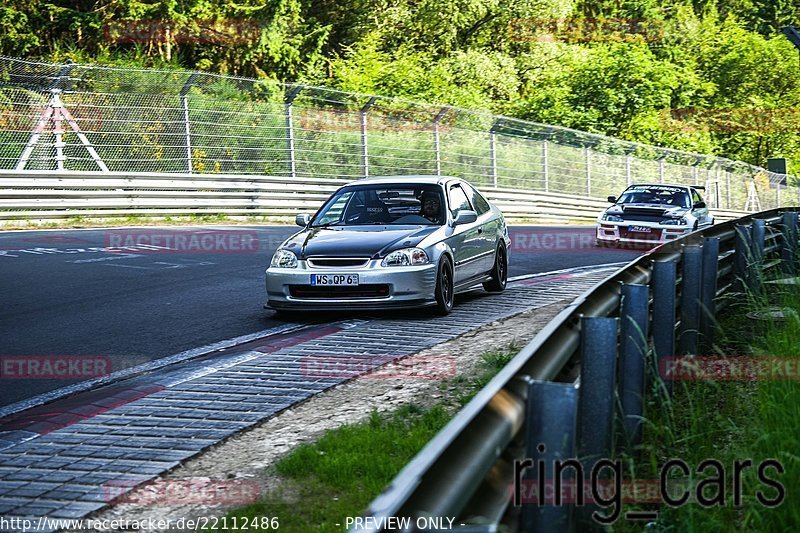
pixel 696 196
pixel 458 200
pixel 477 200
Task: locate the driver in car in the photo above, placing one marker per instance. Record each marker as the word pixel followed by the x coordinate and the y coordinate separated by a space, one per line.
pixel 431 206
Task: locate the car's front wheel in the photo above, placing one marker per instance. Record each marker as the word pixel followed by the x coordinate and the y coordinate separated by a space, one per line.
pixel 444 286
pixel 499 271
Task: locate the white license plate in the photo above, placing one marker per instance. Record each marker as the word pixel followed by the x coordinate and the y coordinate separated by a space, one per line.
pixel 639 229
pixel 334 279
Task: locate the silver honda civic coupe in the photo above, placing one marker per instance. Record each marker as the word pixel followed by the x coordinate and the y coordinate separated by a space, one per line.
pixel 391 242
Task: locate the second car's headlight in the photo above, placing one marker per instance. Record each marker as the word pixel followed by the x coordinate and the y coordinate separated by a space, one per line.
pixel 406 257
pixel 611 218
pixel 284 259
pixel 674 222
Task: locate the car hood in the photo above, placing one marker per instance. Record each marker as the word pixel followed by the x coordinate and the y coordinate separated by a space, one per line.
pixel 664 210
pixel 356 241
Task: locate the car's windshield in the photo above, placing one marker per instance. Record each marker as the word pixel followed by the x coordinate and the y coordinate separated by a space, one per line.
pixel 383 204
pixel 657 194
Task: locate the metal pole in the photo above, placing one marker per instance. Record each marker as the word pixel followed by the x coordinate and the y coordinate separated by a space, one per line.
pixel 588 154
pixel 545 169
pixel 550 436
pixel 664 280
pixel 186 124
pixel 290 96
pixel 436 142
pixel 364 151
pixel 696 175
pixel 727 188
pixel 661 170
pixel 493 156
pixel 628 169
pixel 633 351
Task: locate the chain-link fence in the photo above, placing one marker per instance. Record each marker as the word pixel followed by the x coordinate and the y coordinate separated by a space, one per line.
pixel 69 117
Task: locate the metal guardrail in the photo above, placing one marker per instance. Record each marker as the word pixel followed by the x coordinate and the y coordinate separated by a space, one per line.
pixel 660 305
pixel 81 118
pixel 58 195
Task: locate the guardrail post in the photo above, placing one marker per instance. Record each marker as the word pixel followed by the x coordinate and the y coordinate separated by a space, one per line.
pixel 692 272
pixel 634 310
pixel 437 150
pixel 708 292
pixel 550 436
pixel 598 342
pixel 742 257
pixel 759 229
pixel 545 170
pixel 664 280
pixel 288 101
pixel 789 247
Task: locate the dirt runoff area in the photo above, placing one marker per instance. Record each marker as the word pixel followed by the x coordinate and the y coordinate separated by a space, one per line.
pixel 247 456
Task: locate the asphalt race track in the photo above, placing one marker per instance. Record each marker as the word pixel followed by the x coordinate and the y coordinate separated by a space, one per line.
pixel 128 297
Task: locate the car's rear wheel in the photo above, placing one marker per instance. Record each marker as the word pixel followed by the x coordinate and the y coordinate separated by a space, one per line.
pixel 444 286
pixel 499 271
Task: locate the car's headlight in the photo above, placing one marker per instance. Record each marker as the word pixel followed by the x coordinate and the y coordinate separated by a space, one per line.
pixel 284 259
pixel 674 222
pixel 611 218
pixel 406 257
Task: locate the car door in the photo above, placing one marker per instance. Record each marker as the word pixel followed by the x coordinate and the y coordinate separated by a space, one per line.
pixel 700 212
pixel 489 229
pixel 466 238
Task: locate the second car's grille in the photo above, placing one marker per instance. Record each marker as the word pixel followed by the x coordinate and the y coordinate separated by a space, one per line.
pixel 322 262
pixel 334 292
pixel 643 212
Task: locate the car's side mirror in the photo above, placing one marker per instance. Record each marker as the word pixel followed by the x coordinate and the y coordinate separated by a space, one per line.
pixel 465 217
pixel 699 205
pixel 302 219
pixel 612 199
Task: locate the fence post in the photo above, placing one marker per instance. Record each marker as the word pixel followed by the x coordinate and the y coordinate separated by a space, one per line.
pixel 627 168
pixel 545 170
pixel 493 152
pixel 661 170
pixel 664 280
pixel 633 351
pixel 727 189
pixel 436 143
pixel 364 146
pixel 588 157
pixel 550 436
pixel 186 124
pixel 289 99
pixel 708 291
pixel 789 247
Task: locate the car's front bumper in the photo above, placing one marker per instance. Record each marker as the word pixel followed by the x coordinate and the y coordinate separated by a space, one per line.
pixel 398 287
pixel 619 232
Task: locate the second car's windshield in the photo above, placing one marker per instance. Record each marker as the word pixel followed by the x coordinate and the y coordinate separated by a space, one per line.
pixel 383 204
pixel 655 195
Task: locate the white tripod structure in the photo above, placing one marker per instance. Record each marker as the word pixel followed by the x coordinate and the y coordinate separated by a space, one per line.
pixel 55 112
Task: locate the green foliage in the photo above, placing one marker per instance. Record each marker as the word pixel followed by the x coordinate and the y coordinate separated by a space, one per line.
pixel 497 55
